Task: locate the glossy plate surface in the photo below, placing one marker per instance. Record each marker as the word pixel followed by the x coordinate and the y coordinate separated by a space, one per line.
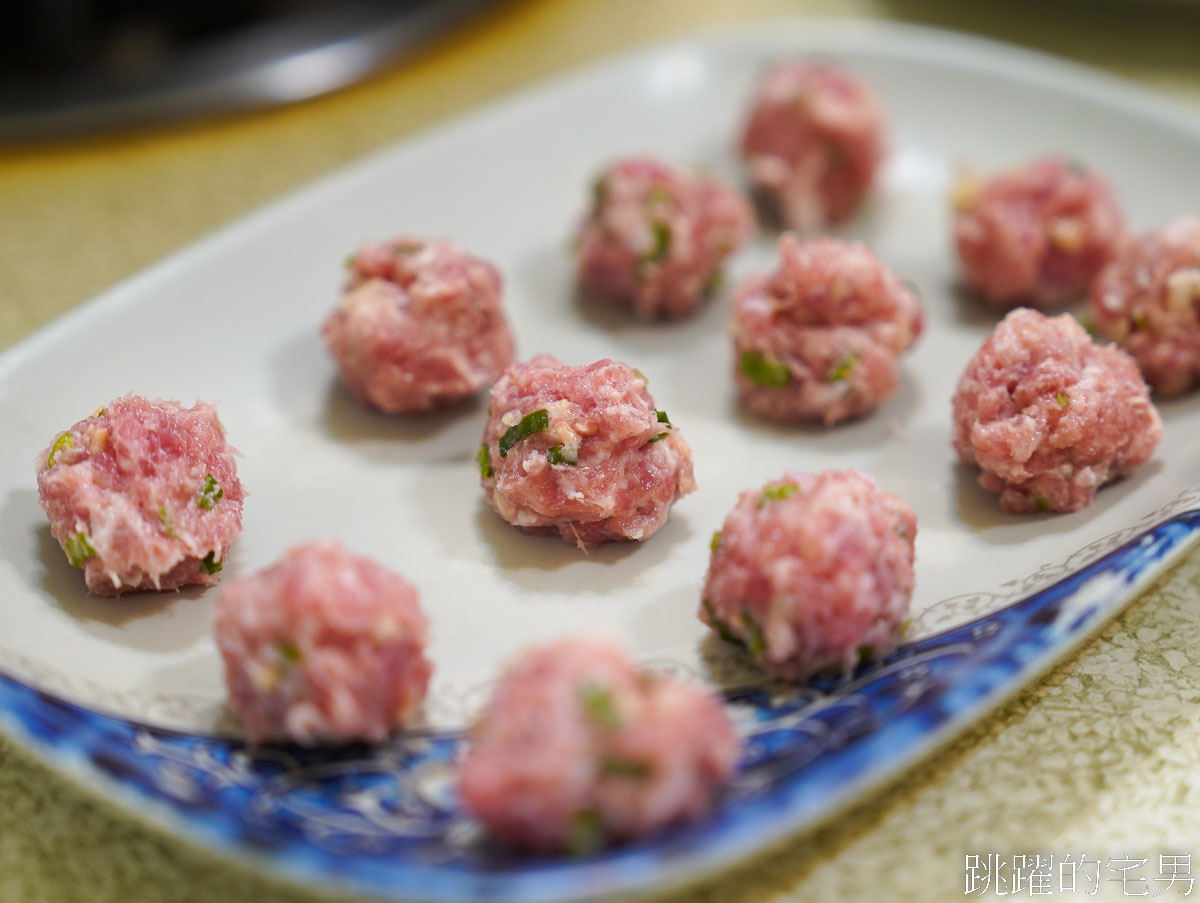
pixel 128 695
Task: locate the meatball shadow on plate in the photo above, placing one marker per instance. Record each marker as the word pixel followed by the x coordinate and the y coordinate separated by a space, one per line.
pixel 349 420
pixel 980 510
pixel 970 308
pixel 685 330
pixel 880 425
pixel 58 579
pixel 65 584
pixel 525 558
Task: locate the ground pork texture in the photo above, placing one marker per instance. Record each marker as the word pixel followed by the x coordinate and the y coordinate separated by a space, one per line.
pixel 143 495
pixel 1049 416
pixel 1148 301
pixel 323 646
pixel 582 452
pixel 420 325
pixel 1036 235
pixel 578 748
pixel 812 573
pixel 819 339
pixel 813 142
pixel 656 236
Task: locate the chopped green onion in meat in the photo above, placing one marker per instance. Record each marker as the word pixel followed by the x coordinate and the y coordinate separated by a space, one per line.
pixel 598 705
pixel 756 640
pixel 621 767
pixel 79 549
pixel 557 454
pixel 210 494
pixel 777 494
pixel 531 423
pixel 66 440
pixel 587 833
pixel 168 521
pixel 764 370
pixel 211 565
pixel 662 243
pixel 843 368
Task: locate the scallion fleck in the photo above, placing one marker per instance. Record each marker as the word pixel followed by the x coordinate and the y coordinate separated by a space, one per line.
pixel 586 834
pixel 622 767
pixel 531 423
pixel 764 370
pixel 211 564
pixel 599 706
pixel 723 630
pixel 79 549
pixel 66 440
pixel 756 640
pixel 843 368
pixel 662 243
pixel 777 494
pixel 168 521
pixel 484 458
pixel 566 455
pixel 210 494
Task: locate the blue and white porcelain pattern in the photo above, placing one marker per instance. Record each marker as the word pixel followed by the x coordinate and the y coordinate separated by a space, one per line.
pixel 385 822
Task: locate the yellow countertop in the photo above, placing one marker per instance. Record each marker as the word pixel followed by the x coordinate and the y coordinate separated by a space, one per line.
pixel 1102 757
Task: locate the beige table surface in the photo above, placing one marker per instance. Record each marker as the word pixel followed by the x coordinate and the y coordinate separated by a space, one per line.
pixel 1102 757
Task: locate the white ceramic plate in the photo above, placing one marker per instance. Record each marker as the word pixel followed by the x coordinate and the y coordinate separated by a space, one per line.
pixel 235 319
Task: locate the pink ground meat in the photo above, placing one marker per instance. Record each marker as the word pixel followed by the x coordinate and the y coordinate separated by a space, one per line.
pixel 813 142
pixel 323 646
pixel 818 339
pixel 1049 416
pixel 578 748
pixel 656 237
pixel 582 452
pixel 420 325
pixel 812 572
pixel 1038 234
pixel 1148 301
pixel 143 495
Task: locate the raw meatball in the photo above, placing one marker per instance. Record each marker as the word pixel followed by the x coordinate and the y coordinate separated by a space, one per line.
pixel 818 339
pixel 323 646
pixel 143 495
pixel 1148 300
pixel 813 142
pixel 582 452
pixel 1036 235
pixel 813 572
pixel 420 325
pixel 1049 416
pixel 578 748
pixel 656 237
